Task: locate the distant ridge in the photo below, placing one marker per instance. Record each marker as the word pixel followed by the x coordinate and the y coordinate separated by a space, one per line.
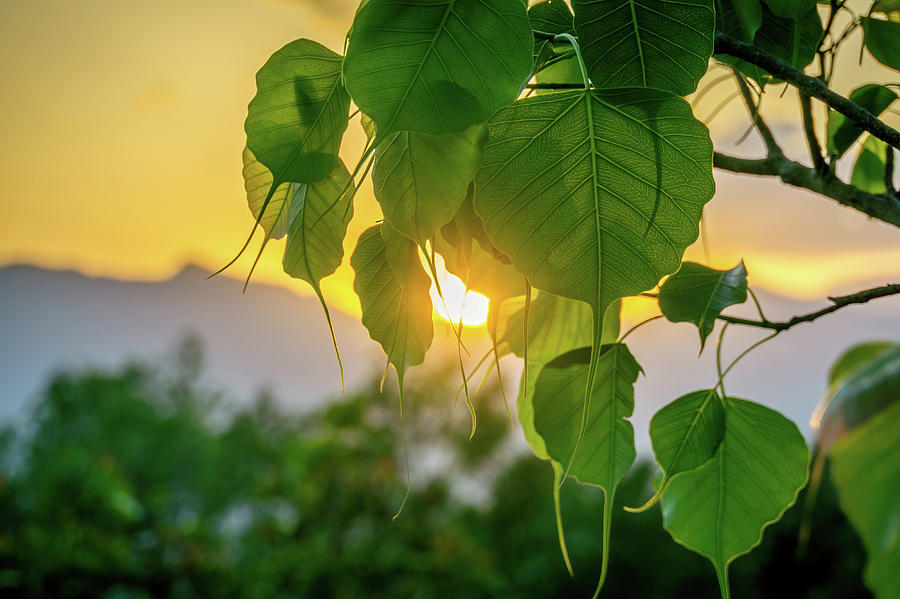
pixel 271 337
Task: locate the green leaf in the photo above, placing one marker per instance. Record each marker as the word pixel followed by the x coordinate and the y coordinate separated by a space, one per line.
pixel 841 132
pixel 739 18
pixel 791 9
pixel 662 44
pixel 605 451
pixel 318 217
pixel 881 40
pixel 866 472
pixel 258 183
pixel 595 195
pixel 368 126
pixel 421 180
pixel 868 170
pixel 299 113
pixel 687 432
pixel 863 382
pixel 437 66
pixel 468 254
pixel 552 16
pixel 720 509
pixel 778 37
pixel 393 291
pixel 698 294
pixel 556 325
pixel 887 6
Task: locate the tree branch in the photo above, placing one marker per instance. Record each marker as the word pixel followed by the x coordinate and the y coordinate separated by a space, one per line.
pixel 837 303
pixel 815 150
pixel 883 206
pixel 725 44
pixel 772 148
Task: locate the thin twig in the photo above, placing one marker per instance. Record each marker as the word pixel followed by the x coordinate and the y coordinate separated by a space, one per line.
pixel 837 303
pixel 862 118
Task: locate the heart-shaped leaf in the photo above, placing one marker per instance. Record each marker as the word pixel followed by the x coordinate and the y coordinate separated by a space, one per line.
pixel 739 18
pixel 605 450
pixel 698 294
pixel 299 113
pixel 393 292
pixel 720 509
pixel 595 195
pixel 661 44
pixel 686 433
pixel 420 180
pixel 437 67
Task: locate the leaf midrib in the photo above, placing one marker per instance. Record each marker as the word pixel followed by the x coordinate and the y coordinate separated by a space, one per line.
pixel 428 51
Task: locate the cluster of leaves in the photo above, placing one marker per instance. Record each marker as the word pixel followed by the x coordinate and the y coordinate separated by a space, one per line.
pixel 134 484
pixel 588 187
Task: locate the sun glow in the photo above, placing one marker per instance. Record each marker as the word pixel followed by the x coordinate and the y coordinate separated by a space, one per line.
pixel 457 302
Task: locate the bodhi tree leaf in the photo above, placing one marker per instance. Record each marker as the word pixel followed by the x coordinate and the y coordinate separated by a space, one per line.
pixel 396 308
pixel 881 40
pixel 841 132
pixel 790 9
pixel 258 183
pixel 777 36
pixel 868 170
pixel 319 214
pixel 552 16
pixel 662 44
pixel 421 180
pixel 720 509
pixel 299 113
pixel 865 379
pixel 595 195
pixel 686 433
pixel 866 472
pixel 607 444
pixel 437 66
pixel 739 18
pixel 698 294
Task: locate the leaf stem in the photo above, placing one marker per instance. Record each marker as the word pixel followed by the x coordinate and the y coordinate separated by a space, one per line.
pixel 571 39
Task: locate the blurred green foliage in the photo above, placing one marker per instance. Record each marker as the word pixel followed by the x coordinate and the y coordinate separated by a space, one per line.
pixel 141 483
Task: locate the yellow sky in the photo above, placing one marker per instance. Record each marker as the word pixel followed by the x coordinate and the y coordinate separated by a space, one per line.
pixel 123 129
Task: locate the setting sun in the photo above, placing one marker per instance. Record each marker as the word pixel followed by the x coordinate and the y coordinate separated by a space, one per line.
pixel 457 302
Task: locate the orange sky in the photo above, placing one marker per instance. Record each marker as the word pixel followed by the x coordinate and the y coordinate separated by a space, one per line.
pixel 123 132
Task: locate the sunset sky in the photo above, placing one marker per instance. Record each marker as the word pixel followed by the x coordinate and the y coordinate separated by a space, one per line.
pixel 123 133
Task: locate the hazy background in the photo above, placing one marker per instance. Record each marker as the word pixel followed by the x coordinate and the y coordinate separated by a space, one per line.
pixel 122 189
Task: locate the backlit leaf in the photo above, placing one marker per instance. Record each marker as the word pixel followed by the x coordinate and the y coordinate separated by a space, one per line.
pixel 437 66
pixel 396 308
pixel 698 294
pixel 605 451
pixel 866 472
pixel 299 113
pixel 881 40
pixel 420 180
pixel 318 217
pixel 662 44
pixel 841 131
pixel 595 195
pixel 868 170
pixel 257 183
pixel 720 509
pixel 863 382
pixel 686 433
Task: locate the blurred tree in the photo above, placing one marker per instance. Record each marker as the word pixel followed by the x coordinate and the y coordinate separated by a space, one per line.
pixel 140 483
